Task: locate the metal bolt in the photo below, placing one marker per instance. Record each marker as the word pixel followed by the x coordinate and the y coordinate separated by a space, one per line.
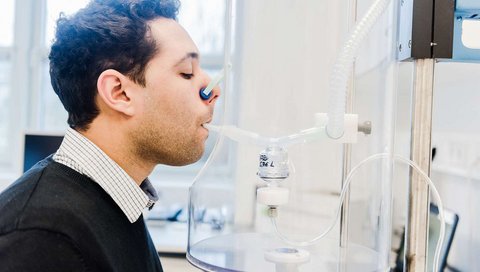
pixel 400 48
pixel 366 127
pixel 272 211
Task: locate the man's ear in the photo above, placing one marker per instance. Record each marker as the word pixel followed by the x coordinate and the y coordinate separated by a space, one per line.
pixel 112 89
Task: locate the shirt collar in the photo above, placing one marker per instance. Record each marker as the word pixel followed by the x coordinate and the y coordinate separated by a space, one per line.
pixel 82 155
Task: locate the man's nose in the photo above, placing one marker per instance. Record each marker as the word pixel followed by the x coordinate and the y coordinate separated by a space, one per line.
pixel 214 95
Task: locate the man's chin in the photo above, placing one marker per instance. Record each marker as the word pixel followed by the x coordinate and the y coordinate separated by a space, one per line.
pixel 186 160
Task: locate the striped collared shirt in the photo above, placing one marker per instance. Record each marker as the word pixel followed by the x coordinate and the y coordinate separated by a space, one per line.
pixel 83 156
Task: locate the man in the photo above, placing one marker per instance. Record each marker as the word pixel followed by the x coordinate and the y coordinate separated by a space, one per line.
pixel 129 76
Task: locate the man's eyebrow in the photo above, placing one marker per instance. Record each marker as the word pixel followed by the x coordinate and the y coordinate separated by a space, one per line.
pixel 192 55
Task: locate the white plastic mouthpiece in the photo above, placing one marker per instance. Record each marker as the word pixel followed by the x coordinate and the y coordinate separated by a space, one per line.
pixel 239 135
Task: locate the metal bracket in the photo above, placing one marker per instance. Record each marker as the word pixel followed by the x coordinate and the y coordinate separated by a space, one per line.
pixel 433 29
pixel 426 29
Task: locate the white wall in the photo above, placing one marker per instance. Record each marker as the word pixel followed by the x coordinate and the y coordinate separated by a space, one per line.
pixel 457 97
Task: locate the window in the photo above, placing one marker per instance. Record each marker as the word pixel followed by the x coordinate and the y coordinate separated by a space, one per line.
pixel 6 51
pixel 5 116
pixel 54 8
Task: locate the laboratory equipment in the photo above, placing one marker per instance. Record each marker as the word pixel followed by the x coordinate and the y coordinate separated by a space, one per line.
pixel 281 161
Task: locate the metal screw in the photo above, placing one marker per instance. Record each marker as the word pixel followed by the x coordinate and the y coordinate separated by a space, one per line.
pixel 400 48
pixel 409 43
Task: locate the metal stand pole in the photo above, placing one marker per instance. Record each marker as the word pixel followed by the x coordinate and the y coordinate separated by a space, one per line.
pixel 347 154
pixel 418 200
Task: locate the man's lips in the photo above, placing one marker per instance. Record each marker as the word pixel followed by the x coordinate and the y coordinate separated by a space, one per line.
pixel 206 122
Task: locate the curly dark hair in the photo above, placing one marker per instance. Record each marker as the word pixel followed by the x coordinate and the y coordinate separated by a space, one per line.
pixel 106 34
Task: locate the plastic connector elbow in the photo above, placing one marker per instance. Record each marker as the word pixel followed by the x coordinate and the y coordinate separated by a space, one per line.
pixel 350 128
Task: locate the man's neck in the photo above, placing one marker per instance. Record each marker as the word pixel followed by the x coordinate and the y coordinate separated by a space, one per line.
pixel 117 148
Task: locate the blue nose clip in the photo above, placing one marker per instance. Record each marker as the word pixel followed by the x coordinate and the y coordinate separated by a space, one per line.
pixel 204 96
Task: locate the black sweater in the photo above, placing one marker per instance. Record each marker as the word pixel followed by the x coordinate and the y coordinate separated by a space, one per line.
pixel 55 219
